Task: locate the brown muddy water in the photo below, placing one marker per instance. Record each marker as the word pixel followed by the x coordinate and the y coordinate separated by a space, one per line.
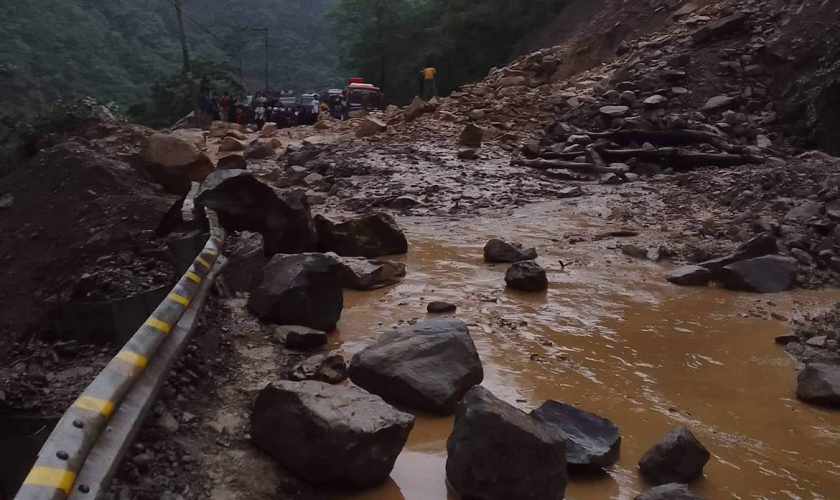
pixel 613 338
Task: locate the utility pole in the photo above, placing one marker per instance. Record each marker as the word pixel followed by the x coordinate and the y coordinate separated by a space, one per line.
pixel 265 30
pixel 187 70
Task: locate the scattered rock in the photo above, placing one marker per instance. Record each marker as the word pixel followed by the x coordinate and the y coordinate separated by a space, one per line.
pixel 690 276
pixel 371 126
pixel 417 108
pixel 635 251
pixel 168 423
pixel 269 129
pixel 230 144
pixel 768 274
pixel 330 368
pixel 570 192
pixel 259 150
pixel 467 153
pixel 299 290
pixel 497 452
pixel 358 273
pixel 725 26
pixel 301 337
pixel 232 162
pixel 440 307
pixel 472 136
pixel 527 276
pixel 246 259
pixel 329 434
pixel 375 235
pixel 615 111
pixel 804 212
pixel 761 245
pixel 679 458
pixel 591 441
pixel 719 103
pixel 246 204
pixel 500 251
pixel 819 384
pixel 428 366
pixel 672 491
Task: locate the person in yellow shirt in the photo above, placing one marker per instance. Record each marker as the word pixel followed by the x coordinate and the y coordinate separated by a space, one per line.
pixel 429 83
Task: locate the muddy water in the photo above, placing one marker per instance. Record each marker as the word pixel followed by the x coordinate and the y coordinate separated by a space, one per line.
pixel 613 338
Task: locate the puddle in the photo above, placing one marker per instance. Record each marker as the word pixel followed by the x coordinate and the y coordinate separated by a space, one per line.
pixel 612 337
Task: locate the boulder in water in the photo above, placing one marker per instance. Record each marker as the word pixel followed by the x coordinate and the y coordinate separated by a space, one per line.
pixel 768 274
pixel 299 290
pixel 527 277
pixel 672 491
pixel 820 384
pixel 500 251
pixel 428 366
pixel 329 434
pixel 371 236
pixel 591 441
pixel 690 276
pixel 679 458
pixel 358 273
pixel 498 452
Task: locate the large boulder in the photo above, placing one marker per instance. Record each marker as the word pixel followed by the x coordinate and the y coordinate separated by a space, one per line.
pixel 330 368
pixel 358 273
pixel 299 290
pixel 230 144
pixel 417 108
pixel 768 274
pixel 591 441
pixel 174 162
pixel 371 126
pixel 428 366
pixel 679 458
pixel 269 129
pixel 526 277
pixel 371 236
pixel 259 150
pixel 497 452
pixel 500 251
pixel 329 434
pixel 220 129
pixel 246 259
pixel 820 384
pixel 246 204
pixel 672 491
pixel 232 162
pixel 726 26
pixel 471 136
pixel 761 245
pixel 690 276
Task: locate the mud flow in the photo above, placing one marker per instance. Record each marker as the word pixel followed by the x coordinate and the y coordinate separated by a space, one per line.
pixel 612 337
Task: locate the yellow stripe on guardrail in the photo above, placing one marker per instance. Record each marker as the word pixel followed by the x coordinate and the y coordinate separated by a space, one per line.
pixel 97 405
pixel 158 325
pixel 59 479
pixel 132 358
pixel 194 277
pixel 202 262
pixel 179 299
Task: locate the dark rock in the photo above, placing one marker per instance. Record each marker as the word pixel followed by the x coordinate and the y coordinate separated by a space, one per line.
pixel 299 290
pixel 635 252
pixel 441 307
pixel 768 274
pixel 614 111
pixel 820 384
pixel 472 136
pixel 804 212
pixel 761 245
pixel 787 339
pixel 358 273
pixel 719 103
pixel 497 452
pixel 591 441
pixel 690 276
pixel 301 337
pixel 246 260
pixel 232 162
pixel 246 204
pixel 527 276
pixel 259 150
pixel 7 200
pixel 499 251
pixel 679 458
pixel 428 366
pixel 724 27
pixel 467 153
pixel 329 434
pixel 375 235
pixel 330 368
pixel 672 491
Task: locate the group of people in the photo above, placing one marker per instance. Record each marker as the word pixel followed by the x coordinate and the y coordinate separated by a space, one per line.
pixel 258 109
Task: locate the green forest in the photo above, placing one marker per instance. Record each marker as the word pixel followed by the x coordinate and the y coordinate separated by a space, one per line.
pixel 128 51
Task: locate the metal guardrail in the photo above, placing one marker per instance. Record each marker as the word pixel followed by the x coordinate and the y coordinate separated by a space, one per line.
pixel 54 476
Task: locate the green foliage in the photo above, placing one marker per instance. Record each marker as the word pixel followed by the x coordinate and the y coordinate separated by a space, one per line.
pixel 170 100
pixel 389 41
pixel 116 49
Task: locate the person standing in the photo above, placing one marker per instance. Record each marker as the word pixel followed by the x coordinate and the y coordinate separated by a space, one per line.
pixel 231 110
pixel 260 116
pixel 429 84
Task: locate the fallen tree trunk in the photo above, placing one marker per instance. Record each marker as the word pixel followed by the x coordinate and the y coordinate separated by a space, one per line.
pixel 566 165
pixel 551 155
pixel 671 137
pixel 680 158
